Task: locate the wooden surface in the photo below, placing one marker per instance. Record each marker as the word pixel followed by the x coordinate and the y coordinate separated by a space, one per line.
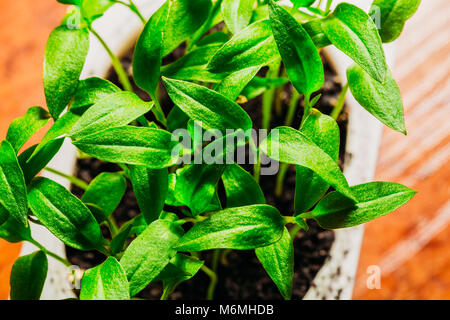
pixel 412 246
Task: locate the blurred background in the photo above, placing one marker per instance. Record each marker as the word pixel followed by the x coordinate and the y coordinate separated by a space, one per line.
pixel 412 246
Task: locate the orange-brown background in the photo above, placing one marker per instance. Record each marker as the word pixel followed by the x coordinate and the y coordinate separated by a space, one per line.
pixel 412 247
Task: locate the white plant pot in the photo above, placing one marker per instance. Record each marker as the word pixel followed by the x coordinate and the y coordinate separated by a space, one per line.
pixel 335 279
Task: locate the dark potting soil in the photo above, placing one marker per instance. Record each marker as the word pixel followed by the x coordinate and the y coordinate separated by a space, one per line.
pixel 241 276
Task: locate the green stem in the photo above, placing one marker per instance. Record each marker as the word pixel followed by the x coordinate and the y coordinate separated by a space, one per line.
pixel 117 65
pixel 135 9
pixel 212 274
pixel 121 73
pixel 295 229
pixel 268 97
pixel 289 219
pixel 279 97
pixel 278 101
pixel 51 254
pixel 215 261
pixel 307 109
pixel 224 256
pixel 75 181
pixel 213 277
pixel 167 291
pixel 165 295
pixel 306 215
pixel 288 122
pixel 327 9
pixel 257 170
pixel 112 226
pixel 157 110
pixel 257 165
pixel 292 108
pixel 340 103
pixel 280 179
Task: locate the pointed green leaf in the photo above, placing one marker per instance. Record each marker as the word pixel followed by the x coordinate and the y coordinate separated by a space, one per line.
pixel 382 100
pixel 192 66
pixel 323 131
pixel 148 147
pixel 253 46
pixel 302 3
pixel 353 32
pixel 222 149
pixel 181 268
pixel 259 85
pixel 232 86
pixel 392 15
pixel 315 31
pixel 237 13
pixel 150 187
pixel 21 129
pixel 278 261
pixel 13 231
pixel 171 200
pixel 149 253
pixel 196 185
pixel 93 9
pixel 12 184
pixel 139 224
pixel 31 168
pixel 241 188
pixel 298 52
pixel 185 17
pixel 99 215
pixel 106 191
pixel 116 110
pixel 118 242
pixel 374 199
pixel 176 119
pixel 64 215
pixel 290 146
pixel 107 281
pixel 310 187
pixel 239 228
pixel 91 91
pixel 134 226
pixel 64 58
pixel 28 276
pixel 211 109
pixel 148 53
pixel 60 128
pixel 215 204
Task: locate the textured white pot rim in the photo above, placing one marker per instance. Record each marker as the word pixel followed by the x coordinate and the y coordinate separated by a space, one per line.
pixel 335 279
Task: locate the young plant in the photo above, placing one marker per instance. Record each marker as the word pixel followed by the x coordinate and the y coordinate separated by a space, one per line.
pixel 260 47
